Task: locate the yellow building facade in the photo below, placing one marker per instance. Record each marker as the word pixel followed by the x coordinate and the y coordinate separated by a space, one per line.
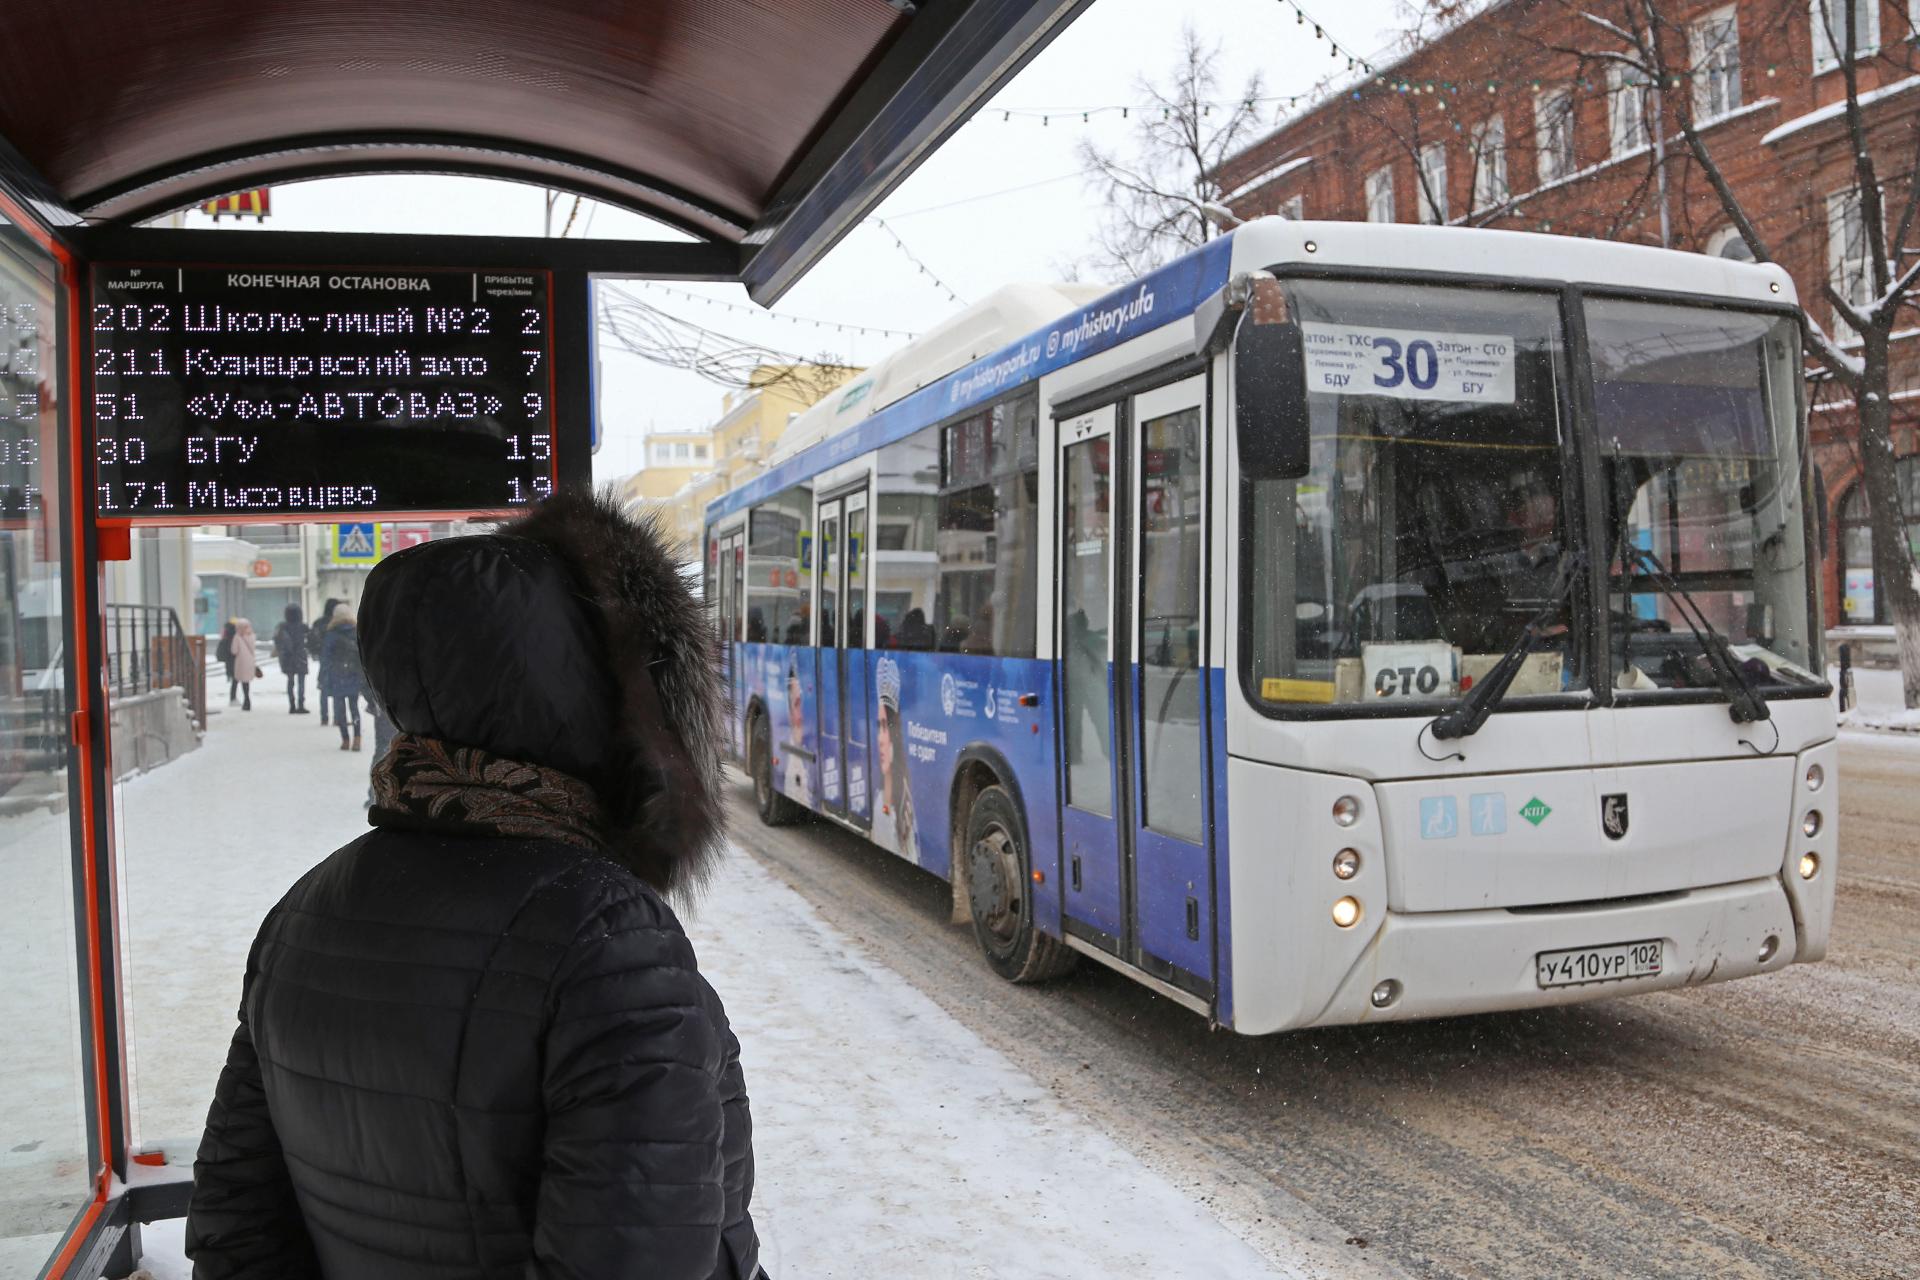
pixel 686 469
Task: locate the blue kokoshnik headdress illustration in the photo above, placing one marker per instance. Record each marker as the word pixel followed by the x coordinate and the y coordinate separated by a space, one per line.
pixel 886 677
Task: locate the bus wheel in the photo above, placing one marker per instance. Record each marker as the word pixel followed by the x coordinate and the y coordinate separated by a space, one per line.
pixel 775 809
pixel 1000 893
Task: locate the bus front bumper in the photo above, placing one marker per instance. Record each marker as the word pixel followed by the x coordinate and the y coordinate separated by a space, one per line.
pixel 1443 963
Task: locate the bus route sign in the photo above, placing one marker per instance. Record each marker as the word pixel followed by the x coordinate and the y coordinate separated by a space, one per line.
pixel 248 393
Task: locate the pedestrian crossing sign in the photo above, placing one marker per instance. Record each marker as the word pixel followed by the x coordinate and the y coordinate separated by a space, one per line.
pixel 356 543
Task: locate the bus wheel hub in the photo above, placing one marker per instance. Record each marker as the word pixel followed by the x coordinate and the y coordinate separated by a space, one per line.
pixel 993 878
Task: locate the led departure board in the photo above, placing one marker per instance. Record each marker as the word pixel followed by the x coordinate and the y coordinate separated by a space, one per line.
pixel 223 394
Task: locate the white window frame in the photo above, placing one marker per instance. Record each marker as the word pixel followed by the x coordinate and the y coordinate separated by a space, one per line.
pixel 1433 183
pixel 1626 112
pixel 1490 187
pixel 1716 62
pixel 1379 194
pixel 1849 267
pixel 1553 147
pixel 1827 42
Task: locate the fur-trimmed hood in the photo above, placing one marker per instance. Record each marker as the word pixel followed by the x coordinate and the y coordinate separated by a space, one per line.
pixel 567 639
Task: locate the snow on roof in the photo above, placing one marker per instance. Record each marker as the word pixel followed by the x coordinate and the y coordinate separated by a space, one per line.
pixel 1009 312
pixel 1262 178
pixel 1835 109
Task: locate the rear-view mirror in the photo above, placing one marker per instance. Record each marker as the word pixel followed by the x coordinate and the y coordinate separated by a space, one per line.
pixel 1269 401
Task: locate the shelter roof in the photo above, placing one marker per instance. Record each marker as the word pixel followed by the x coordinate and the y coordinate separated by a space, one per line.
pixel 768 125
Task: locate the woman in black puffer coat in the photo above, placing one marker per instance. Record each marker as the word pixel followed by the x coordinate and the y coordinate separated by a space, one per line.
pixel 474 1042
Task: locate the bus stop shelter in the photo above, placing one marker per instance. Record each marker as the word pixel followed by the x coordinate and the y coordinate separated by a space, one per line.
pixel 765 132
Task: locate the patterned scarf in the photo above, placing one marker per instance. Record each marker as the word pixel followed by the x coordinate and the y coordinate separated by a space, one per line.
pixel 423 782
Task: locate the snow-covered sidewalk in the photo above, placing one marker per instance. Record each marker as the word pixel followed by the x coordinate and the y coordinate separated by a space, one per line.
pixel 890 1140
pixel 1878 703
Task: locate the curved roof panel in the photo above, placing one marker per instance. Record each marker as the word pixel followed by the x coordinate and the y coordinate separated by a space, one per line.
pixel 765 123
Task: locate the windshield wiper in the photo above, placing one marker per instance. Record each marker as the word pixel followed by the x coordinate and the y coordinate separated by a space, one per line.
pixel 1472 711
pixel 1745 703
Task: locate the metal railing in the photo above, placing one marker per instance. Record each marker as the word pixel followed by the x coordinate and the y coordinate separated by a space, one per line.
pixel 147 649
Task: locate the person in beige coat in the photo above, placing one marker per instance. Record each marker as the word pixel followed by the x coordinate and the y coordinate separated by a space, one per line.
pixel 246 660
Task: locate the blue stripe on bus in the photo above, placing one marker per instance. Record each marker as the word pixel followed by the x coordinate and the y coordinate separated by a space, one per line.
pixel 1169 294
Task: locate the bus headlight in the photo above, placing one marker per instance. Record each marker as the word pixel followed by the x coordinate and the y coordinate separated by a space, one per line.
pixel 1346 864
pixel 1346 912
pixel 1809 865
pixel 1811 823
pixel 1346 811
pixel 1816 776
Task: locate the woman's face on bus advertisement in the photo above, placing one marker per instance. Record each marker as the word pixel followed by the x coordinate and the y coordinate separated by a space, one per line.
pixel 796 714
pixel 883 744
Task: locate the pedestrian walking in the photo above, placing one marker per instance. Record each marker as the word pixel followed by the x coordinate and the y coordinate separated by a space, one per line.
pixel 475 1041
pixel 244 667
pixel 340 669
pixel 315 637
pixel 224 653
pixel 290 650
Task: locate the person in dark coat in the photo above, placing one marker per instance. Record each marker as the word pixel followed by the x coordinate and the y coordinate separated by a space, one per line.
pixel 340 672
pixel 475 1043
pixel 290 648
pixel 315 636
pixel 223 652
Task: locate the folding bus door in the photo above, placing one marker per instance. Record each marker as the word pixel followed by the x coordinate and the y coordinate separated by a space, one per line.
pixel 830 519
pixel 856 713
pixel 1167 711
pixel 1093 857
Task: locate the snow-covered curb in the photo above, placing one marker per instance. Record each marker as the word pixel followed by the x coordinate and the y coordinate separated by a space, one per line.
pixel 1887 719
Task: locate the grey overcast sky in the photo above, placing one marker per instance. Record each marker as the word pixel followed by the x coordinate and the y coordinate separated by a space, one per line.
pixel 1002 201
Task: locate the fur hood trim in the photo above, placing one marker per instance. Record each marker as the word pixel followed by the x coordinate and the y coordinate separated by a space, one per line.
pixel 664 809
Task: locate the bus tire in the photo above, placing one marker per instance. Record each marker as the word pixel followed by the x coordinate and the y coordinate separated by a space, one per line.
pixel 1000 893
pixel 775 810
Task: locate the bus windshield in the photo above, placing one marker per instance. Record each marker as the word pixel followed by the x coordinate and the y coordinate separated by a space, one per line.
pixel 1433 526
pixel 1697 417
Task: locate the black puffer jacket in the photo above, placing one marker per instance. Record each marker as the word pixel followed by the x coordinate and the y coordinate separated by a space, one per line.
pixel 465 1055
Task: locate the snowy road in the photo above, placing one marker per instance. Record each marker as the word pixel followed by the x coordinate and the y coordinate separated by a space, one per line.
pixel 1767 1128
pixel 890 1140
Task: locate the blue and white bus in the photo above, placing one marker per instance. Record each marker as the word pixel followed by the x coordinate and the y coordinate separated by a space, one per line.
pixel 1344 622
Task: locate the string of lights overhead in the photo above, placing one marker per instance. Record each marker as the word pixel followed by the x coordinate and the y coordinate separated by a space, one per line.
pixel 809 322
pixel 924 269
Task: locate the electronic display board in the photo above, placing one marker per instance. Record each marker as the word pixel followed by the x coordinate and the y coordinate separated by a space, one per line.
pixel 228 394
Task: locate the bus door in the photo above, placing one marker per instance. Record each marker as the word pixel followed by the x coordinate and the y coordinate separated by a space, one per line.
pixel 1167 759
pixel 1093 855
pixel 1134 767
pixel 841 673
pixel 727 606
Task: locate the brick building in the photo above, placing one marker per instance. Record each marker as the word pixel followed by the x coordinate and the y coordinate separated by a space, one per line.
pixel 1520 117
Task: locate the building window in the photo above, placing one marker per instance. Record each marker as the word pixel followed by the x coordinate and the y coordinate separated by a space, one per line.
pixel 1490 187
pixel 1293 208
pixel 1433 183
pixel 1380 194
pixel 1727 243
pixel 1847 264
pixel 1626 110
pixel 1553 135
pixel 681 450
pixel 1714 42
pixel 700 452
pixel 1859 603
pixel 1830 30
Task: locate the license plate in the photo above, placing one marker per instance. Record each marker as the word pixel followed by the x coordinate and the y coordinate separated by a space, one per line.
pixel 1598 964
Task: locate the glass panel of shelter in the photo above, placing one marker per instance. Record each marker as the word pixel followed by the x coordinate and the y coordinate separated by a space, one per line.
pixel 48 1158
